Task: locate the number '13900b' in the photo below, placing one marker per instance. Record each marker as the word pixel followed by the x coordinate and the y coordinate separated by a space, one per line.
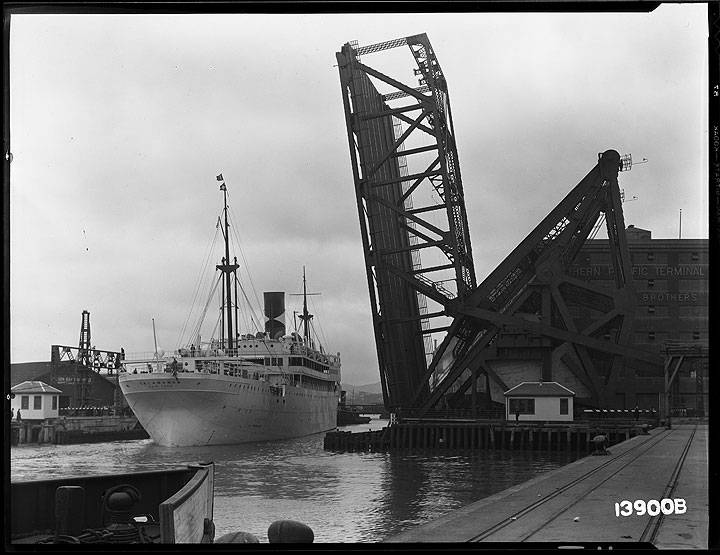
pixel 652 507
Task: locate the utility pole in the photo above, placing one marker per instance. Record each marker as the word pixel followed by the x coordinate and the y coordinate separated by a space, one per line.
pixel 680 226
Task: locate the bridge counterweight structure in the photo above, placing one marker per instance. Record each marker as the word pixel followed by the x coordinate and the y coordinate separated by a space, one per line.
pixel 532 291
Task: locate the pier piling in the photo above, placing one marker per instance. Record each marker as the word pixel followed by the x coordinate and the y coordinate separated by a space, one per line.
pixel 484 435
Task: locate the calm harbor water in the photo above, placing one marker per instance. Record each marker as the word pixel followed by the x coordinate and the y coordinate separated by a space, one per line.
pixel 343 497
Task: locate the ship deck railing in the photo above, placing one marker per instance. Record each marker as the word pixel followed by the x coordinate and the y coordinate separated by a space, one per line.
pixel 258 372
pixel 293 349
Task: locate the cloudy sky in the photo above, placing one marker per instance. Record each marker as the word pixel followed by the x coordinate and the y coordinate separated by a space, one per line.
pixel 119 125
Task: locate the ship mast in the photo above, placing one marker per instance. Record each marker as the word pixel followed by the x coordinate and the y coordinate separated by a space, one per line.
pixel 306 316
pixel 227 269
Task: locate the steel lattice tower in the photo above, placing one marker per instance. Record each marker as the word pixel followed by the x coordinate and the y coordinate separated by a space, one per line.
pixel 410 200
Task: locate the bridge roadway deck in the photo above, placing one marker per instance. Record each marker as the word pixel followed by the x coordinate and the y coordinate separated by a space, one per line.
pixel 576 503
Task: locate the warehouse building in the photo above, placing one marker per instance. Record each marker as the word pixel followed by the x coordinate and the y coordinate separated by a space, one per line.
pixel 670 277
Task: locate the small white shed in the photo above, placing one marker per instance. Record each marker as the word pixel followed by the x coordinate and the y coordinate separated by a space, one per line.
pixel 539 401
pixel 35 400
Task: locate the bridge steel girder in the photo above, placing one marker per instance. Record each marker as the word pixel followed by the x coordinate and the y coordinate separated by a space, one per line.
pixel 402 153
pixel 534 280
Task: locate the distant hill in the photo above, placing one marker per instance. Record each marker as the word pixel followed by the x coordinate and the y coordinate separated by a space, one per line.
pixel 368 389
pixel 374 388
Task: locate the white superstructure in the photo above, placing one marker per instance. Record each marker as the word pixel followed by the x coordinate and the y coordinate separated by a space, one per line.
pixel 264 389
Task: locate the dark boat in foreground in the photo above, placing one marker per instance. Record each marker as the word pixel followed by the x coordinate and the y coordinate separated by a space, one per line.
pixel 346 417
pixel 164 506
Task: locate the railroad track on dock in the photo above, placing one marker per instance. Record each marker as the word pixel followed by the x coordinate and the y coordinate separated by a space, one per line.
pixel 627 457
pixel 653 526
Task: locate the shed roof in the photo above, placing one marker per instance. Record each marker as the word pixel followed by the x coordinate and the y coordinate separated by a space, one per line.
pixel 539 389
pixel 28 371
pixel 34 387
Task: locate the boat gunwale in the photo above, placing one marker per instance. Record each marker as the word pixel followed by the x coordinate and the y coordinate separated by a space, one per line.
pixel 98 477
pixel 205 474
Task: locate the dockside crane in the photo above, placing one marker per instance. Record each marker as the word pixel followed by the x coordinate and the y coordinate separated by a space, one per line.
pixel 85 356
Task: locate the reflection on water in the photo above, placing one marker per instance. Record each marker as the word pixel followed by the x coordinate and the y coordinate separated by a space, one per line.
pixel 343 497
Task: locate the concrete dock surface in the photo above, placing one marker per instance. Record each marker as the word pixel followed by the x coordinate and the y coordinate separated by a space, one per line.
pixel 576 503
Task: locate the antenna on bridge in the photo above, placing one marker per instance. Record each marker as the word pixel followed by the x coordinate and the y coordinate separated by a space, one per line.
pixel 623 199
pixel 626 162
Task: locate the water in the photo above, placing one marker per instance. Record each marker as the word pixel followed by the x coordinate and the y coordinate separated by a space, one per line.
pixel 343 497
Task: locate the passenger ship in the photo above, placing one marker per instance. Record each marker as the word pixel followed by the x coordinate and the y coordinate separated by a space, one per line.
pixel 263 386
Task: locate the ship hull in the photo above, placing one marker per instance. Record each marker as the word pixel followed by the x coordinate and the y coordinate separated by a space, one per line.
pixel 200 409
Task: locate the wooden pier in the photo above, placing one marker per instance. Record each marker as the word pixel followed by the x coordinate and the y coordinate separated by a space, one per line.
pixel 493 434
pixel 666 470
pixel 76 429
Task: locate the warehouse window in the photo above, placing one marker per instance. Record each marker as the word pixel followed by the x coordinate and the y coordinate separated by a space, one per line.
pixel 651 283
pixel 651 309
pixel 696 335
pixel 651 336
pixel 523 406
pixel 695 256
pixel 37 402
pixel 563 406
pixel 651 256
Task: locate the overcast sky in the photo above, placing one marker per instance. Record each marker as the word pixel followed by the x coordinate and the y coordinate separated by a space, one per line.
pixel 119 125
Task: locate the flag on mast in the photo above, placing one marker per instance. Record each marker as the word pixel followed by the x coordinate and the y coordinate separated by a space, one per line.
pixel 219 177
pixel 222 187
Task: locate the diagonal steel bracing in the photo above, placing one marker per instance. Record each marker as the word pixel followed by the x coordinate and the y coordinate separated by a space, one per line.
pixel 410 200
pixel 534 280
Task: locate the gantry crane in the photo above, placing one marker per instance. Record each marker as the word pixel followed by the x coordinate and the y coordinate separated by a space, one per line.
pixel 85 356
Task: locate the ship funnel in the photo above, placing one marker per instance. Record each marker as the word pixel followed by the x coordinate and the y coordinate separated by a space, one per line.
pixel 274 313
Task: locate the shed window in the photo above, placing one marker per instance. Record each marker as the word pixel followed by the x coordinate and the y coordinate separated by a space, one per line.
pixel 37 402
pixel 563 406
pixel 25 402
pixel 523 406
pixel 54 402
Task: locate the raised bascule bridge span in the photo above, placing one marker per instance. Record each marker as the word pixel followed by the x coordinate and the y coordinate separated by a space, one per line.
pixel 444 342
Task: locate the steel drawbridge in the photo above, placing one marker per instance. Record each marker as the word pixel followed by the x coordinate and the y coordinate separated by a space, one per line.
pixel 419 263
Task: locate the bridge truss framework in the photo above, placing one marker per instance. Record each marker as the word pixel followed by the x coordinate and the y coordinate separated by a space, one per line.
pixel 402 144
